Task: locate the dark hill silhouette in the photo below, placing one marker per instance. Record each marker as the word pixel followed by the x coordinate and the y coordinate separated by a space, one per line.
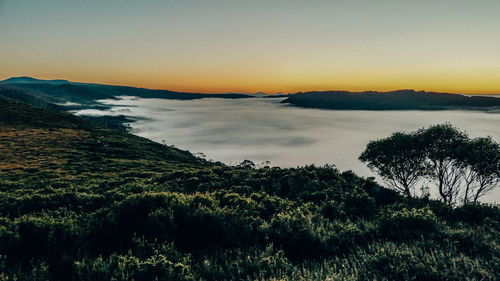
pixel 60 91
pixel 40 92
pixel 26 79
pixel 395 100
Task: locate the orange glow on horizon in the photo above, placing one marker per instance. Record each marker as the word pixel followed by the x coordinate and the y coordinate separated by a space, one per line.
pixel 240 86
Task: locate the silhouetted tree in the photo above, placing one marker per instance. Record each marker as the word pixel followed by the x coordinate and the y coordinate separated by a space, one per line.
pixel 445 147
pixel 398 159
pixel 463 169
pixel 483 174
pixel 247 164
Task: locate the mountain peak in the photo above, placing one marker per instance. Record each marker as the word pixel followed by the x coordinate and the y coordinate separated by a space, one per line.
pixel 26 79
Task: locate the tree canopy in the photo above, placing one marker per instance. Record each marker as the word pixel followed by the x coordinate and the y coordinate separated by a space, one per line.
pixel 398 159
pixel 462 169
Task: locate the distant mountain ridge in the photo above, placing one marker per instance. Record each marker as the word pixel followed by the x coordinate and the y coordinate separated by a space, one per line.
pixel 26 79
pixel 31 80
pixel 61 91
pixel 394 100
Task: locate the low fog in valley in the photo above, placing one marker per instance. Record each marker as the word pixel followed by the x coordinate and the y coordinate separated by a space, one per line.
pixel 263 129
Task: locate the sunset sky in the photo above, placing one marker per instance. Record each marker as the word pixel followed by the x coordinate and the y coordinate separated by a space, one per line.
pixel 259 45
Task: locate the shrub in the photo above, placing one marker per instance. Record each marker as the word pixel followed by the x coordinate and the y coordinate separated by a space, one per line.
pixel 422 261
pixel 129 267
pixel 294 232
pixel 408 223
pixel 475 213
pixel 251 264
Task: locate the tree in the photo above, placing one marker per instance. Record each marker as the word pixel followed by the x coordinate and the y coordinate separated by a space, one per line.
pixel 483 174
pixel 462 169
pixel 247 164
pixel 445 147
pixel 398 159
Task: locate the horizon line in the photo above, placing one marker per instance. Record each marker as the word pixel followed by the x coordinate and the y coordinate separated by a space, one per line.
pixel 257 92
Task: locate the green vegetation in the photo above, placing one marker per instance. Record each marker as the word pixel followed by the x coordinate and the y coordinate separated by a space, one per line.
pixel 462 169
pixel 82 202
pixel 396 100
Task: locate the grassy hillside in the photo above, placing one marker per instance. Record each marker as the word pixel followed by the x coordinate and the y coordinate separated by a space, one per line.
pixel 396 100
pixel 82 202
pixel 43 144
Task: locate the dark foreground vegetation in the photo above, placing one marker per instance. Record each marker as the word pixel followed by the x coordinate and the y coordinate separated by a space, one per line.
pixel 396 100
pixel 82 202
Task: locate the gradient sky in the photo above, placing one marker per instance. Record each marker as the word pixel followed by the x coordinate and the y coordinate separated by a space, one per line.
pixel 259 45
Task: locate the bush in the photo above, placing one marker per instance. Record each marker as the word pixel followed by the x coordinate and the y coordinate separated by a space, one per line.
pixel 408 223
pixel 413 262
pixel 476 214
pixel 294 232
pixel 129 267
pixel 358 204
pixel 251 264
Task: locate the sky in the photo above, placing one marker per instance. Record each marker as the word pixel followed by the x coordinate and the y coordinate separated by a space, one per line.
pixel 260 45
